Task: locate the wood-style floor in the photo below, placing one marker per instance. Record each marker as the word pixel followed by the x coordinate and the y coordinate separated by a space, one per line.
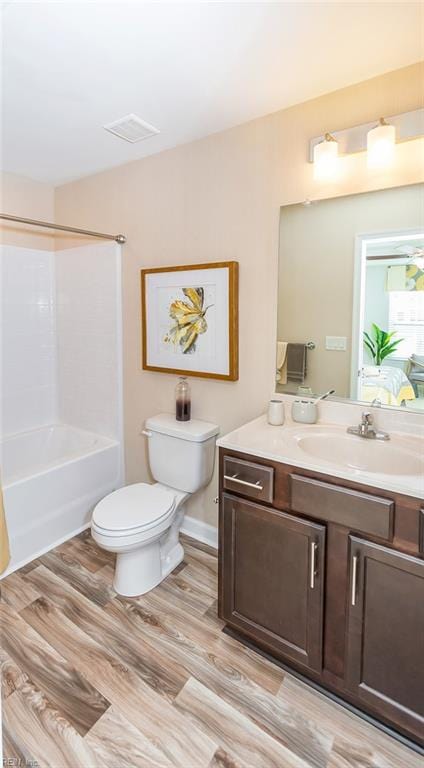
pixel 92 679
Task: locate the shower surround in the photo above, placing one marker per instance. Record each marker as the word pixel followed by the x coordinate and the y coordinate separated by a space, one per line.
pixel 61 390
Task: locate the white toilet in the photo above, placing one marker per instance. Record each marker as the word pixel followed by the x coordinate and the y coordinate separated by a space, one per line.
pixel 142 522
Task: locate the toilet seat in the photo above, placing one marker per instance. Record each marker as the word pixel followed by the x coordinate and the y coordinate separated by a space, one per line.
pixel 133 509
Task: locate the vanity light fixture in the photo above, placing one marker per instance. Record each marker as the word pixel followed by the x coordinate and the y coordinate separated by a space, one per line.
pixel 326 155
pixel 381 144
pixel 327 151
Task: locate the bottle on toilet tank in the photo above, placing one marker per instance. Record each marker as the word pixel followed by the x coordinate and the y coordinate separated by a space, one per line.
pixel 182 400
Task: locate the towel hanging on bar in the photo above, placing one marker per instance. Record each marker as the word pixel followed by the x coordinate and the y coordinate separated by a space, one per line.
pixel 296 362
pixel 281 365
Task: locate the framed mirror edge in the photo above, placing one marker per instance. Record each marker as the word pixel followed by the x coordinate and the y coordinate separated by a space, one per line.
pixel 358 267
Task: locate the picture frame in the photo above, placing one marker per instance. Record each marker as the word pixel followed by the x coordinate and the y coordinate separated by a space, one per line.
pixel 189 317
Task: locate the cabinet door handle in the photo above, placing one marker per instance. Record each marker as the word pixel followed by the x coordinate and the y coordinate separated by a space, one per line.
pixel 314 548
pixel 235 479
pixel 354 575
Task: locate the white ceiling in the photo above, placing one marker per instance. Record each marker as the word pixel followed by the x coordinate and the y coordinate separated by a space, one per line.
pixel 190 69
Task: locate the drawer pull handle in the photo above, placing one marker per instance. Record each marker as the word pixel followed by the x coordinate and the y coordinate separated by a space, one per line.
pixel 235 479
pixel 314 548
pixel 354 575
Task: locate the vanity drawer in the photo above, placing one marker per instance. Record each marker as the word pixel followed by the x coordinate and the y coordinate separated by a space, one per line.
pixel 249 479
pixel 343 506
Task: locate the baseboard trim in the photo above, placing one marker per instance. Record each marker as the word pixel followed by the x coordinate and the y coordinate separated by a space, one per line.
pixel 200 531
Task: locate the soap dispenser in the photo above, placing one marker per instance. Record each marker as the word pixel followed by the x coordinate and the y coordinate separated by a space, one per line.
pixel 182 400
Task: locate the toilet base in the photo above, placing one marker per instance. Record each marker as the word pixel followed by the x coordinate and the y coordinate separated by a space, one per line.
pixel 173 558
pixel 135 575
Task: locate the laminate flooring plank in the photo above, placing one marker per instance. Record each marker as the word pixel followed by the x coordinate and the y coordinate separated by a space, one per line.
pixel 200 579
pixel 188 593
pixel 24 569
pixel 84 534
pixel 212 615
pixel 69 692
pixel 39 732
pixel 283 722
pixel 12 677
pixel 200 546
pixel 106 574
pixel 226 649
pixel 89 584
pixel 16 591
pixel 117 743
pixel 203 558
pixel 154 668
pixel 161 723
pixel 351 732
pixel 235 732
pixel 179 567
pixel 319 708
pixel 222 759
pixel 15 753
pixel 86 553
pixel 346 755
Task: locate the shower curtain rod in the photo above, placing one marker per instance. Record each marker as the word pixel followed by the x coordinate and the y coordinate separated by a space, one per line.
pixel 118 238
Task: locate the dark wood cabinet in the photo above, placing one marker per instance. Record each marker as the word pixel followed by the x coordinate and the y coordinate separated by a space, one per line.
pixel 275 573
pixel 385 649
pixel 327 576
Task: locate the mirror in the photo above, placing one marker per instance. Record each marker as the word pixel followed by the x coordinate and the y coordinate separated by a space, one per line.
pixel 351 298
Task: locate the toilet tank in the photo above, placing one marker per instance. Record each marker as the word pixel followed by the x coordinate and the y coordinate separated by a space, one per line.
pixel 181 453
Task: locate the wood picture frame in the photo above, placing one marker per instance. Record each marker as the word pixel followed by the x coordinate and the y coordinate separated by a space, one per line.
pixel 182 333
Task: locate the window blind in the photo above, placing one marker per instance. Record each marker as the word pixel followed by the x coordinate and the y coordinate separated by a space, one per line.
pixel 406 317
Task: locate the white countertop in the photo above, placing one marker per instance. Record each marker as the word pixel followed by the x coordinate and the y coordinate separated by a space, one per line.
pixel 282 444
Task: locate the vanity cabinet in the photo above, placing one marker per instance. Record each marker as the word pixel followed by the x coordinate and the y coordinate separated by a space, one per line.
pixel 385 640
pixel 327 576
pixel 274 565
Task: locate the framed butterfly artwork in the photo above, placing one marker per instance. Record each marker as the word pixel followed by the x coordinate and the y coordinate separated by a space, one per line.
pixel 190 320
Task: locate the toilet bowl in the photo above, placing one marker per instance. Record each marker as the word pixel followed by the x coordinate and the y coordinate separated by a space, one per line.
pixel 142 522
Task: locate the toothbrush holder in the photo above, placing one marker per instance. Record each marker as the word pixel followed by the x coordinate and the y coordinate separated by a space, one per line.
pixel 304 411
pixel 275 415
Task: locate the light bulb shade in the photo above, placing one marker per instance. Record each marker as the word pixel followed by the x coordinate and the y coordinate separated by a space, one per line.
pixel 381 145
pixel 326 155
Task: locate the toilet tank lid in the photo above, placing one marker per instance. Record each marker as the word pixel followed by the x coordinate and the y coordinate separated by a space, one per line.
pixel 195 430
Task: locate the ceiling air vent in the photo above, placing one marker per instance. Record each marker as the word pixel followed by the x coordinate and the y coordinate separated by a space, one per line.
pixel 131 128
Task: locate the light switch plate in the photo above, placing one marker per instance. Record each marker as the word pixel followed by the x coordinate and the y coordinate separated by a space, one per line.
pixel 336 343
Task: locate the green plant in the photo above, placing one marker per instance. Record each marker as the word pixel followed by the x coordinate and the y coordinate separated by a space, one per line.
pixel 382 345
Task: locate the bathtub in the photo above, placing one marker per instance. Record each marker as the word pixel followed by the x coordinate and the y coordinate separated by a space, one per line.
pixel 52 477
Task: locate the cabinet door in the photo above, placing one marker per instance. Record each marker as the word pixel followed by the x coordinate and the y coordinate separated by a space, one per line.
pixel 272 578
pixel 385 661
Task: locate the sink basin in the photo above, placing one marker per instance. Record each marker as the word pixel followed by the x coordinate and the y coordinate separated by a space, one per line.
pixel 394 465
pixel 375 456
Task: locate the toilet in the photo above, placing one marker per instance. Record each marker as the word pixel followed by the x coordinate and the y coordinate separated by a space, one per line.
pixel 142 522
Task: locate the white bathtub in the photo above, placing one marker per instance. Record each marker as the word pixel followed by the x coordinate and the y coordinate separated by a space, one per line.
pixel 52 477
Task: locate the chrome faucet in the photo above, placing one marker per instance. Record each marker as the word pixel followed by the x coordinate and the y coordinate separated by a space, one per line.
pixel 366 429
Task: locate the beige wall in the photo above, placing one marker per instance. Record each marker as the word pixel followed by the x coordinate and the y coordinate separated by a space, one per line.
pixel 32 200
pixel 219 199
